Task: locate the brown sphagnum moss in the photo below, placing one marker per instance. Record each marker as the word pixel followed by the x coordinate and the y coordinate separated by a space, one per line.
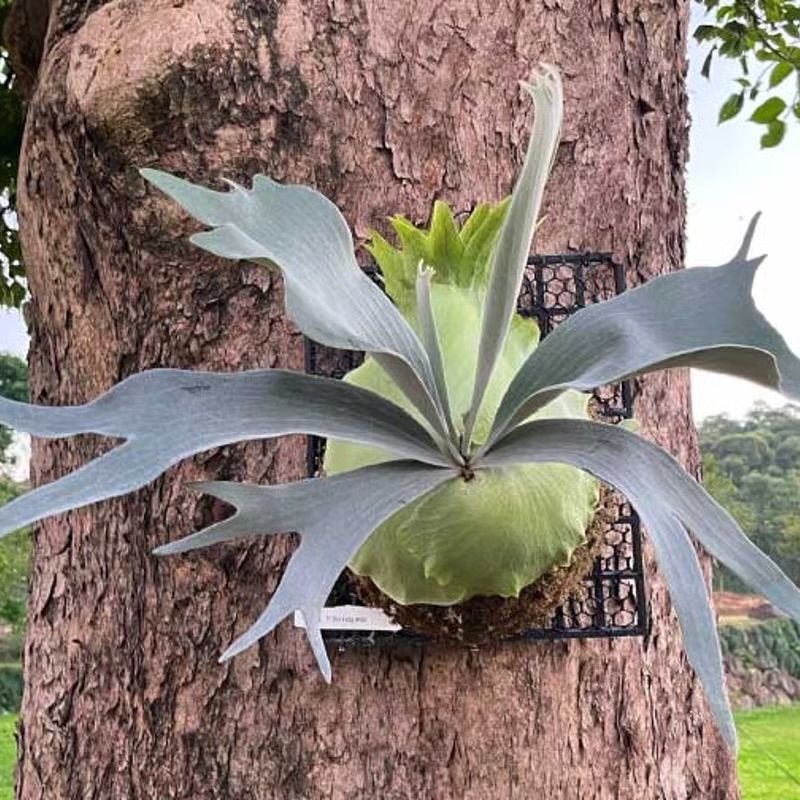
pixel 488 618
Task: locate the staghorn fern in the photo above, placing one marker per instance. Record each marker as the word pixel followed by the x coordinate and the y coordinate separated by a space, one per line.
pixel 167 415
pixel 432 550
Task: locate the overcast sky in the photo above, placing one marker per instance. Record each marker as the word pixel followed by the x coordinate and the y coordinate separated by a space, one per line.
pixel 729 179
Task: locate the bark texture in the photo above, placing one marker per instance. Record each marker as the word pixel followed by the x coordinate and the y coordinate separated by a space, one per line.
pixel 384 106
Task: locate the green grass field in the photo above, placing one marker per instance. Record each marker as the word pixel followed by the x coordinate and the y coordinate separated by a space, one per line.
pixel 8 754
pixel 769 757
pixel 769 753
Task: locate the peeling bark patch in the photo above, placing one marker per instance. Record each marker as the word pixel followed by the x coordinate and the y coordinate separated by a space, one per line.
pixel 123 54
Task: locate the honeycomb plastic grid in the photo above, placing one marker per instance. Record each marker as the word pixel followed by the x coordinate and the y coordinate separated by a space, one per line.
pixel 611 600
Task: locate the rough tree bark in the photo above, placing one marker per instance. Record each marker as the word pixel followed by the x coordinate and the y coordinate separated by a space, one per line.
pixel 384 106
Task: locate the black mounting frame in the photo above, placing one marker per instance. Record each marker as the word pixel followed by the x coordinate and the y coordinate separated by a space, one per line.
pixel 611 601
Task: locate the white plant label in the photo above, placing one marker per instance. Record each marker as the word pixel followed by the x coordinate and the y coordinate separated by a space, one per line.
pixel 351 618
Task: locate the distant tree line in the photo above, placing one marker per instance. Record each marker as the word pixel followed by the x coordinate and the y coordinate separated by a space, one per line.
pixel 14 549
pixel 13 384
pixel 752 467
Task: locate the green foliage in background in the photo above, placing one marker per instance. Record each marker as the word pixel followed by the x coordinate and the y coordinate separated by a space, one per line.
pixel 12 273
pixel 14 564
pixel 11 647
pixel 764 36
pixel 752 467
pixel 13 384
pixel 773 644
pixel 15 549
pixel 10 687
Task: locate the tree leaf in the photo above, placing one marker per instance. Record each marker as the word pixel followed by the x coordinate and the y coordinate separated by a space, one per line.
pixel 704 33
pixel 334 516
pixel 705 70
pixel 764 54
pixel 701 317
pixel 775 133
pixel 781 71
pixel 669 501
pixel 735 27
pixel 731 107
pixel 327 295
pixel 769 110
pixel 167 415
pixel 513 246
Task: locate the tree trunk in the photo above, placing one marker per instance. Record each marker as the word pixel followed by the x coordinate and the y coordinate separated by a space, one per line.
pixel 383 106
